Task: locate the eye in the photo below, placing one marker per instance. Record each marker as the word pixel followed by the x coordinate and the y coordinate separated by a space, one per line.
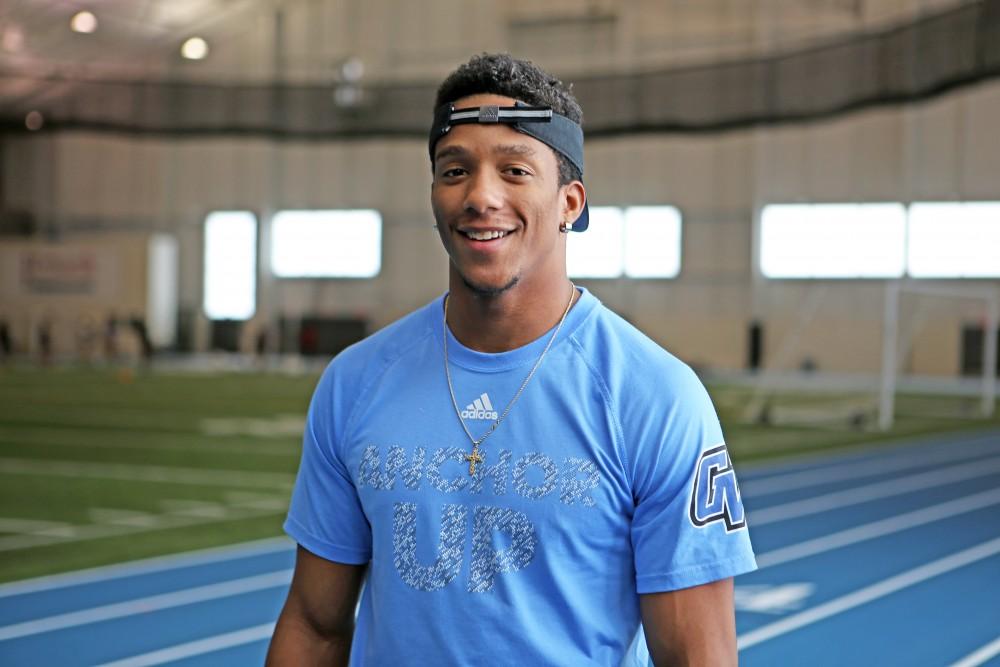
pixel 453 172
pixel 517 171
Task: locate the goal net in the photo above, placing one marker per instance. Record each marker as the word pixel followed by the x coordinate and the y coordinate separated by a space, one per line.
pixel 933 358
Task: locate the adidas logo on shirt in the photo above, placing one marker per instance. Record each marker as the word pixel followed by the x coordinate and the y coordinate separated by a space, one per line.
pixel 481 408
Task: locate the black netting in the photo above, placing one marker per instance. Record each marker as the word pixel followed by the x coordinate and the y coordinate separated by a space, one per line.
pixel 908 63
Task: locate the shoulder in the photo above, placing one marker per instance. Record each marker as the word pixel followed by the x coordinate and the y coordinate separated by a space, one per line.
pixel 630 363
pixel 665 415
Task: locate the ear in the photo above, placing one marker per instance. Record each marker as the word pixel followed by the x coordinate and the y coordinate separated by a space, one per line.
pixel 574 196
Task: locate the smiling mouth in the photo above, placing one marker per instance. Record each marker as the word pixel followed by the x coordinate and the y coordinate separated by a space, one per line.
pixel 487 235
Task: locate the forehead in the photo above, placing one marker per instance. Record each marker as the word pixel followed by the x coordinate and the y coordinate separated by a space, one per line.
pixel 475 137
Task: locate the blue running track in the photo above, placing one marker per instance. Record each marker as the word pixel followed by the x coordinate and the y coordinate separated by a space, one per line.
pixel 881 557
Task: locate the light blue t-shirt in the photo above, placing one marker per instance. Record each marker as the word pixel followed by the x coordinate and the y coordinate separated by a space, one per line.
pixel 609 478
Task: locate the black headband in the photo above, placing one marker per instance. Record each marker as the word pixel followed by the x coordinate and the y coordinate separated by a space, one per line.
pixel 556 131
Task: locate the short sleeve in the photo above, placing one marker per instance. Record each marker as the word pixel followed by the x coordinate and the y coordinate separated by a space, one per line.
pixel 689 526
pixel 325 516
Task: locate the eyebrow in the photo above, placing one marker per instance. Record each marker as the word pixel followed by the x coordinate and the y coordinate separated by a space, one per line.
pixel 450 151
pixel 521 150
pixel 517 150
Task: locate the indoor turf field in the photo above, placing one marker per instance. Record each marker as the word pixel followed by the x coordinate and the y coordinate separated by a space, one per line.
pixel 101 466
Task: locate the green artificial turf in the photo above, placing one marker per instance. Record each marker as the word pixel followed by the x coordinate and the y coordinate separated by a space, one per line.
pixel 176 462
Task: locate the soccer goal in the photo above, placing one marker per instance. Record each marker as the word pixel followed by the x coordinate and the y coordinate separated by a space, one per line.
pixel 909 307
pixel 934 359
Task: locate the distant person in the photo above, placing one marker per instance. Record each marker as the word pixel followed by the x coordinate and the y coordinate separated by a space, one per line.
pixel 6 346
pixel 44 338
pixel 86 338
pixel 111 338
pixel 261 343
pixel 145 345
pixel 519 475
pixel 308 339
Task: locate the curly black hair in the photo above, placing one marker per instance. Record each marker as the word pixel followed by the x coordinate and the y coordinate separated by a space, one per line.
pixel 502 74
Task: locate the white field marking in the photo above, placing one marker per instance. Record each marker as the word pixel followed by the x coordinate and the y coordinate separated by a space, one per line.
pixel 144 473
pixel 196 508
pixel 256 501
pixel 60 438
pixel 198 647
pixel 15 525
pixel 875 449
pixel 980 655
pixel 156 522
pixel 57 534
pixel 260 427
pixel 147 604
pixel 113 515
pixel 869 593
pixel 195 558
pixel 862 494
pixel 877 529
pixel 772 599
pixel 756 488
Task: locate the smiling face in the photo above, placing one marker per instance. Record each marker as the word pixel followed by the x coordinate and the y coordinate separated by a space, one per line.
pixel 498 206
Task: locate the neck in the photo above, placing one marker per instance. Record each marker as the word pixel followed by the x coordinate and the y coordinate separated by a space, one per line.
pixel 498 323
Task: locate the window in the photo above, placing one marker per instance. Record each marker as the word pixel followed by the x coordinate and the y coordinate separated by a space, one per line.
pixel 638 241
pixel 326 244
pixel 652 242
pixel 230 265
pixel 597 252
pixel 833 240
pixel 954 240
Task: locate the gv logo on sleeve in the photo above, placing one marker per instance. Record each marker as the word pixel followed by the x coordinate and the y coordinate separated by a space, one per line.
pixel 715 495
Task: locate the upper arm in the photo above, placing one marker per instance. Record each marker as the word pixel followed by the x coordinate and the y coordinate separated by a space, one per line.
pixel 691 626
pixel 324 594
pixel 316 624
pixel 689 526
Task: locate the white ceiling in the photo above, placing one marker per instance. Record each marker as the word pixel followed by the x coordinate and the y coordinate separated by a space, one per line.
pixel 415 39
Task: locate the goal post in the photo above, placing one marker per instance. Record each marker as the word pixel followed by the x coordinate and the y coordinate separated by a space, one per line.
pixel 895 347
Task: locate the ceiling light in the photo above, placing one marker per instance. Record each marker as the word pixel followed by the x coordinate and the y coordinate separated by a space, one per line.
pixel 194 48
pixel 34 120
pixel 13 39
pixel 352 69
pixel 84 22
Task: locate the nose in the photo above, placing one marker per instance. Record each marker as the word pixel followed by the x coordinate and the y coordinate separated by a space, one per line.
pixel 484 193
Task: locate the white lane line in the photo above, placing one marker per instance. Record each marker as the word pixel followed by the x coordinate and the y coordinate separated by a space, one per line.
pixel 980 655
pixel 145 473
pixel 199 647
pixel 881 528
pixel 148 566
pixel 864 452
pixel 761 487
pixel 884 489
pixel 147 604
pixel 870 593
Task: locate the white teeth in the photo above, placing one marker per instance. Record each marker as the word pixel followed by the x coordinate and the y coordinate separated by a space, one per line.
pixel 485 236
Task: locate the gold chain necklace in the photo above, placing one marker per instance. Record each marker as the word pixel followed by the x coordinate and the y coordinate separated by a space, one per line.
pixel 475 457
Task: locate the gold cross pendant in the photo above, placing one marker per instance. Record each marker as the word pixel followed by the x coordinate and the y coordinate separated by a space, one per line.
pixel 474 458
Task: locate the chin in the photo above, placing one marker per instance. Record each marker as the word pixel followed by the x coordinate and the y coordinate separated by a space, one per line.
pixel 489 289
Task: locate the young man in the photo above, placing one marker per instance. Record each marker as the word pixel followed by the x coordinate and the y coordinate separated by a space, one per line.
pixel 517 475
